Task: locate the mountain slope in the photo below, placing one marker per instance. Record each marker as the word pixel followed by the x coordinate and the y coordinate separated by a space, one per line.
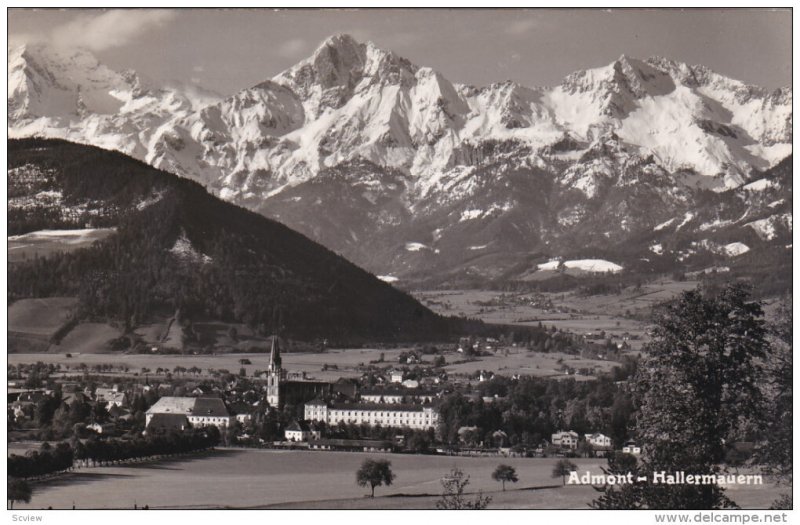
pixel 178 248
pixel 419 179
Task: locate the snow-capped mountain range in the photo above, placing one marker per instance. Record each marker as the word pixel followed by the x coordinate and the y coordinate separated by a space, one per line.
pixel 409 174
pixel 69 94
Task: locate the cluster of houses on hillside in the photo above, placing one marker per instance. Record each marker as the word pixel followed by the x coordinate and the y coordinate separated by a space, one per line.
pixel 22 403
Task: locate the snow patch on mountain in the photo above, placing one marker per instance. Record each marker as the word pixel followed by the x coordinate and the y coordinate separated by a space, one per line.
pixel 80 236
pixel 416 246
pixel 663 225
pixel 587 265
pixel 735 248
pixel 688 216
pixel 149 201
pixel 766 229
pixel 185 251
pixel 715 224
pixel 468 215
pixel 759 185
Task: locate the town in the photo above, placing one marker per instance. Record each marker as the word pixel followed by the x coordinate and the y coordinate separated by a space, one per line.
pixel 393 410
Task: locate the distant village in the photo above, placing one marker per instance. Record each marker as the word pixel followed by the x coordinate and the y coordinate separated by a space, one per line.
pixel 278 408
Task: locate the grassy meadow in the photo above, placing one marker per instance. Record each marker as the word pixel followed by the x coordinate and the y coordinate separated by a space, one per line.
pixel 238 478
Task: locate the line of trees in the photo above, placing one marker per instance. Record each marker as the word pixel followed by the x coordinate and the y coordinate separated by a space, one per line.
pixel 42 462
pixel 100 451
pixel 50 460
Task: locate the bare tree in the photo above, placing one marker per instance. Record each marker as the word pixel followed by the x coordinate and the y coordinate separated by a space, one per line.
pixel 453 494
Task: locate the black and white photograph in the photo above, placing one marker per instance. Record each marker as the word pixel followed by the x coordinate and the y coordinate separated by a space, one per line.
pixel 395 259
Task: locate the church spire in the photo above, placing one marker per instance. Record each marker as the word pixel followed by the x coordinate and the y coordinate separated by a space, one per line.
pixel 274 374
pixel 275 355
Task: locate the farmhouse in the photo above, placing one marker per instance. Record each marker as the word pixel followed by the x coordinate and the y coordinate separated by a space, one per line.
pixel 110 397
pixel 199 411
pixel 630 447
pixel 565 439
pixel 301 431
pixel 598 440
pixel 387 415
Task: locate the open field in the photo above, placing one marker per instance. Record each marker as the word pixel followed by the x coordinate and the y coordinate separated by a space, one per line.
pixel 241 478
pixel 576 497
pixel 47 242
pixel 614 314
pixel 40 317
pixel 88 337
pixel 347 361
pixel 33 322
pixel 21 447
pixel 520 361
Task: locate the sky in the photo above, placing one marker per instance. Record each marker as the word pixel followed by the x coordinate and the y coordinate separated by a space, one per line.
pixel 229 50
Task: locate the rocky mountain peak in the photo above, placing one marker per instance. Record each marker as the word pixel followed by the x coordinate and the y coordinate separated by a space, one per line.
pixel 354 108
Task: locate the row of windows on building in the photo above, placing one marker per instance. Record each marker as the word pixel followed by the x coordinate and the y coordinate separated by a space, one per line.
pixel 209 420
pixel 398 418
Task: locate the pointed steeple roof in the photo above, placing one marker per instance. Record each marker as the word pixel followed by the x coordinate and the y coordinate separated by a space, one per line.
pixel 275 355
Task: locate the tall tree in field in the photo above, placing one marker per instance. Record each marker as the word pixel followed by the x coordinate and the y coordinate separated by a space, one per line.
pixel 562 469
pixel 697 386
pixel 375 472
pixel 505 473
pixel 18 490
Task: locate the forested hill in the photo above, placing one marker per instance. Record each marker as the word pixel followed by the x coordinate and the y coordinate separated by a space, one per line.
pixel 178 247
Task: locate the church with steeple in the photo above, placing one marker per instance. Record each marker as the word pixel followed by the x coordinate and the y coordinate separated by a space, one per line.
pixel 275 374
pixel 284 387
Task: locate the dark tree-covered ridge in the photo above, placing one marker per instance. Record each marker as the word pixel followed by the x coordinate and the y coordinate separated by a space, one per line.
pixel 179 247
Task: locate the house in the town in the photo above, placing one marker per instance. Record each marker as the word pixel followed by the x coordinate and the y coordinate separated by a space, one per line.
pixel 165 422
pixel 598 440
pixel 565 439
pixel 630 447
pixel 110 397
pixel 301 431
pixel 199 411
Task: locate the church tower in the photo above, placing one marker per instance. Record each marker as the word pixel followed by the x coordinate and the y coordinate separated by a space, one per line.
pixel 274 374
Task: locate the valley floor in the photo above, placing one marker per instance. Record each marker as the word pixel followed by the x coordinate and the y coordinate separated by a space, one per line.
pixel 249 478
